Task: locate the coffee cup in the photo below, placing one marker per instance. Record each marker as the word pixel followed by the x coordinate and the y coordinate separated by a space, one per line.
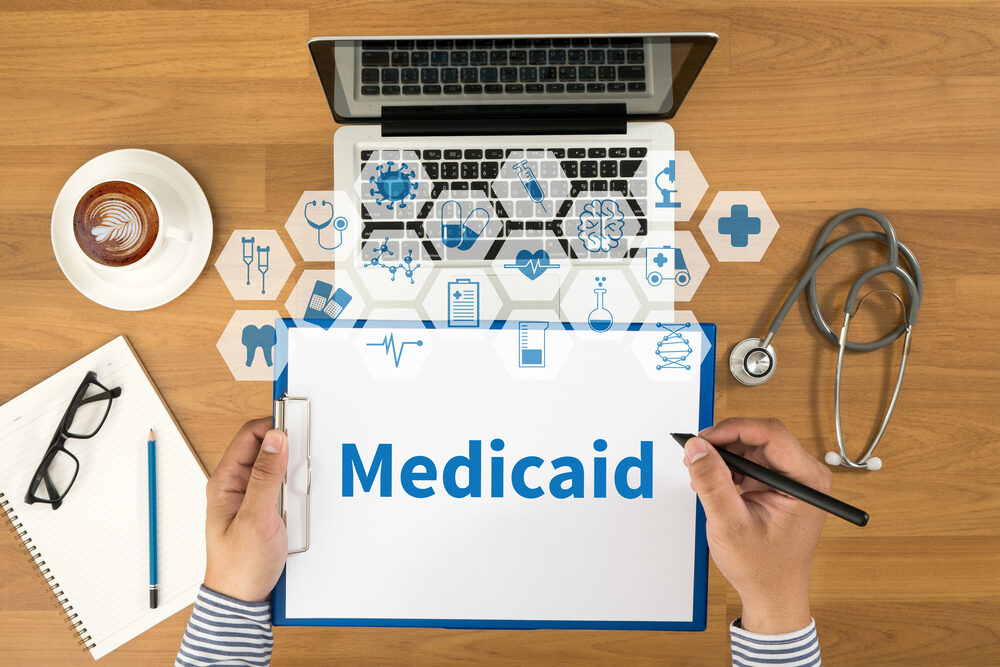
pixel 119 225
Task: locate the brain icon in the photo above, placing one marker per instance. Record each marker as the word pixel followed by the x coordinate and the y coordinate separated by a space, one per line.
pixel 601 223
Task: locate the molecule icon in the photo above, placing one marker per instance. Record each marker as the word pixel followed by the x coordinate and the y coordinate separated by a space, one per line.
pixel 406 265
pixel 393 186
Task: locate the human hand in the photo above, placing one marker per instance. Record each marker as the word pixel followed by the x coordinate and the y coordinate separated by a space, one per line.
pixel 762 540
pixel 245 537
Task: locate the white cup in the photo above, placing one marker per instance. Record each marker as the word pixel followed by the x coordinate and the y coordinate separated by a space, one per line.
pixel 166 232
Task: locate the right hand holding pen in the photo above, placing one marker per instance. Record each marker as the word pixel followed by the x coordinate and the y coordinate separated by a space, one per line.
pixel 762 540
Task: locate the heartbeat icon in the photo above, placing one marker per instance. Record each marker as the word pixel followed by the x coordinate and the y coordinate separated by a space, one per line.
pixel 388 343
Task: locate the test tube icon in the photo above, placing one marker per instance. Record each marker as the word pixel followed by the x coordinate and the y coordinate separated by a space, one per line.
pixel 531 344
pixel 531 185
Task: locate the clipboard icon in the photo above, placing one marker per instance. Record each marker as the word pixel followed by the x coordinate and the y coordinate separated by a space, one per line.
pixel 292 416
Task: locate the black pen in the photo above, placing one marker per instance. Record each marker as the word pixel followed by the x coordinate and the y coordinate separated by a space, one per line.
pixel 805 493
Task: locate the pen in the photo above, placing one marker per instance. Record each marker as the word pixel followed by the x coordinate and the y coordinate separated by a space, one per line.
pixel 151 450
pixel 805 493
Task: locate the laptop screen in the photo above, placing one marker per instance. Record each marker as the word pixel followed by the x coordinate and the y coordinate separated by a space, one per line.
pixel 647 75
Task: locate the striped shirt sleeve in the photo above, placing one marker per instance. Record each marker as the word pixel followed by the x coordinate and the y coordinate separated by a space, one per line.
pixel 750 649
pixel 226 631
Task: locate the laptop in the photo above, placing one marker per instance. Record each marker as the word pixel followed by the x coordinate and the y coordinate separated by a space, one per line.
pixel 489 149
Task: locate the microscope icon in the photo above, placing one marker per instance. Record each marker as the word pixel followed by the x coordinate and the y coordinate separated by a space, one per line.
pixel 663 181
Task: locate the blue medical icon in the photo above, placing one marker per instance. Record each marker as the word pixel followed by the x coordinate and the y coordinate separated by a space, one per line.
pixel 600 318
pixel 388 343
pixel 531 344
pixel 322 309
pixel 532 264
pixel 463 303
pixel 263 263
pixel 666 178
pixel 247 254
pixel 601 225
pixel 739 225
pixel 406 265
pixel 658 266
pixel 259 337
pixel 393 186
pixel 339 225
pixel 673 349
pixel 461 231
pixel 531 185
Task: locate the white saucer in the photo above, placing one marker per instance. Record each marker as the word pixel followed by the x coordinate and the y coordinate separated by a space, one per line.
pixel 183 204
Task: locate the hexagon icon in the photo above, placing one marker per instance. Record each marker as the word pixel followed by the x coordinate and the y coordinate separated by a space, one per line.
pixel 247 344
pixel 533 349
pixel 393 186
pixel 392 353
pixel 531 186
pixel 678 263
pixel 739 226
pixel 254 264
pixel 600 302
pixel 463 225
pixel 670 347
pixel 323 296
pixel 531 268
pixel 673 186
pixel 324 225
pixel 600 227
pixel 462 299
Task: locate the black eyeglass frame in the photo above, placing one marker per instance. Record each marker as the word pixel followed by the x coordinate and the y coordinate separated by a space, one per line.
pixel 62 435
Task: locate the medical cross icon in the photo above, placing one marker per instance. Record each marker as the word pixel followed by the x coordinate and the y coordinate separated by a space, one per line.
pixel 660 259
pixel 739 225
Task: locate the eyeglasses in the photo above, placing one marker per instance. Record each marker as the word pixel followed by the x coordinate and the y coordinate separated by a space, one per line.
pixel 83 419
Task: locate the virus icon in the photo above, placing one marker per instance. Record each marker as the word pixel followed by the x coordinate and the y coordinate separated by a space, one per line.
pixel 394 185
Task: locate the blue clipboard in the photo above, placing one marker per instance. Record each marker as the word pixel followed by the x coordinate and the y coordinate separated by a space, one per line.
pixel 700 589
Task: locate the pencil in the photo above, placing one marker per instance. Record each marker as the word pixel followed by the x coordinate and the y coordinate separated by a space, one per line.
pixel 151 451
pixel 795 489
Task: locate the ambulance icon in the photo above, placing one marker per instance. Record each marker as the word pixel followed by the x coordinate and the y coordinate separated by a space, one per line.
pixel 666 263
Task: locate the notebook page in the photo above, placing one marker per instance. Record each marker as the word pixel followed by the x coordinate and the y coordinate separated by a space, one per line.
pixel 96 544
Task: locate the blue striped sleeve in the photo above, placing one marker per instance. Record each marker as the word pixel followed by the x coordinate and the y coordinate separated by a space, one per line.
pixel 750 649
pixel 226 631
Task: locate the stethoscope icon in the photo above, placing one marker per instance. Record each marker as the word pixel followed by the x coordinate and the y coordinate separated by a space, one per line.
pixel 339 225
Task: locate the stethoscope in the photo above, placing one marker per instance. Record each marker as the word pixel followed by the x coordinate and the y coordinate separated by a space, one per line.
pixel 339 225
pixel 753 361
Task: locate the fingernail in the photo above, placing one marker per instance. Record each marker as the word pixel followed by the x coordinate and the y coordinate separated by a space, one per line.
pixel 695 449
pixel 272 441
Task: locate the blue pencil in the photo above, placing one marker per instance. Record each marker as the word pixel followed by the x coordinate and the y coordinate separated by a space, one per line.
pixel 151 449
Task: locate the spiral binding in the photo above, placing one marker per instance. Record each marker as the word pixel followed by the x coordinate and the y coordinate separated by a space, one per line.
pixel 35 556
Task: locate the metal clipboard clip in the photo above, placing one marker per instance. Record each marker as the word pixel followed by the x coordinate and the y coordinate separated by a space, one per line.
pixel 292 415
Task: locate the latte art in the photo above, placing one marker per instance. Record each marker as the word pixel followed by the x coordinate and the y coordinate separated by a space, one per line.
pixel 118 227
pixel 116 223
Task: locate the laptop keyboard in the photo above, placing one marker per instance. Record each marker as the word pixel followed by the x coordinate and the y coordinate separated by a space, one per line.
pixel 589 65
pixel 591 171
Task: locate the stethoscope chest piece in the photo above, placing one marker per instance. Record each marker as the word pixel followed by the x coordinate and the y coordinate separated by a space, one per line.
pixel 751 362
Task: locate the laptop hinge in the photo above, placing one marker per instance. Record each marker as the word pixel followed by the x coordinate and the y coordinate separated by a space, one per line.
pixel 504 119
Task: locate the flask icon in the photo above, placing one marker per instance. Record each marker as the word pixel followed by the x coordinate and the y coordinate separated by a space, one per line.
pixel 600 318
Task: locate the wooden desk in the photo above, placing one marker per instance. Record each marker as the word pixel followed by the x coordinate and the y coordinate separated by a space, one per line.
pixel 819 104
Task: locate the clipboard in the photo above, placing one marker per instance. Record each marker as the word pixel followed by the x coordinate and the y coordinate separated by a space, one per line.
pixel 302 499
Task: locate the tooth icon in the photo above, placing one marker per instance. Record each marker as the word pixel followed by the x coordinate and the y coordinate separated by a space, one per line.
pixel 263 337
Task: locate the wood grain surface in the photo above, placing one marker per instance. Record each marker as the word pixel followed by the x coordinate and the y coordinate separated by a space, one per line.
pixel 819 104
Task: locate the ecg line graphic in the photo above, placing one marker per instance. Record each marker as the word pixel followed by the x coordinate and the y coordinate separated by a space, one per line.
pixel 389 343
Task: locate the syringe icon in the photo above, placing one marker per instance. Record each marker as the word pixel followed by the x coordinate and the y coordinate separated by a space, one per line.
pixel 530 183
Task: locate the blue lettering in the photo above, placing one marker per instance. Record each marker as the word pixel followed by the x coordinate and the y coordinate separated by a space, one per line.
pixel 352 463
pixel 600 470
pixel 408 475
pixel 574 477
pixel 517 477
pixel 474 463
pixel 645 465
pixel 496 470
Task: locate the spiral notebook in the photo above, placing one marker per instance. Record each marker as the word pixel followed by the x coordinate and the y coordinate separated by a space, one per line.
pixel 93 551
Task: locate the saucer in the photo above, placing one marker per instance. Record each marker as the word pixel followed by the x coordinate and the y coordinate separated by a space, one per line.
pixel 183 204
